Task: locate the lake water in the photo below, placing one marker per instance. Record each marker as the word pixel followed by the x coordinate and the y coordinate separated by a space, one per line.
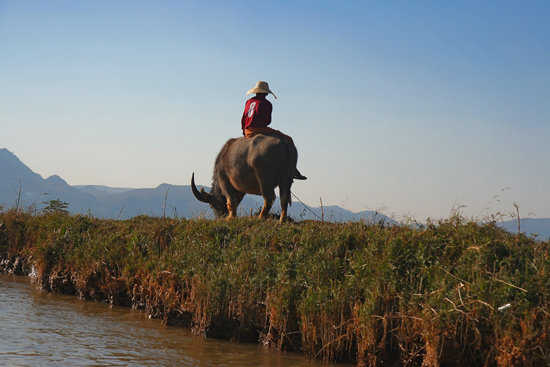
pixel 47 329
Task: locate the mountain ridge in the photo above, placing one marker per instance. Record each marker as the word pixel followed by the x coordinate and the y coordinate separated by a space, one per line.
pixel 21 186
pixel 18 183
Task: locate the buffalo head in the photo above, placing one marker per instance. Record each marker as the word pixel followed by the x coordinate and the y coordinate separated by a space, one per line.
pixel 217 203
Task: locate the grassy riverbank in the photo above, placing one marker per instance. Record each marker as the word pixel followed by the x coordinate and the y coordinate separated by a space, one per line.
pixel 370 294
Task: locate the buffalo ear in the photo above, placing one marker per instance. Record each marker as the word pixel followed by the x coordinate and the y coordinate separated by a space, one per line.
pixel 200 195
pixel 206 196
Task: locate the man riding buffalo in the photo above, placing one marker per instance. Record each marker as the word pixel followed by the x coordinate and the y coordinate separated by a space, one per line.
pixel 257 116
pixel 256 164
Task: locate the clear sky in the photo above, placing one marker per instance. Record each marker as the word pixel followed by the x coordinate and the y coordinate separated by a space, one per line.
pixel 412 108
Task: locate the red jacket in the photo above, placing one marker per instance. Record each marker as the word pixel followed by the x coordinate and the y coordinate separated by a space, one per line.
pixel 257 112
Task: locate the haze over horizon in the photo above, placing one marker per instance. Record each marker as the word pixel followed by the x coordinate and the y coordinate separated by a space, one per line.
pixel 408 108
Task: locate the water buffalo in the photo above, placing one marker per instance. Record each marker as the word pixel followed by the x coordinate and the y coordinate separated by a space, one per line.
pixel 251 166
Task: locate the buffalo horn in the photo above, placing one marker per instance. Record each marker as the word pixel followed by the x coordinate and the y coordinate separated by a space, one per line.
pixel 200 195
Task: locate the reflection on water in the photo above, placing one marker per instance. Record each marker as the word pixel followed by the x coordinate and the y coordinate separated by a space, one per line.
pixel 45 329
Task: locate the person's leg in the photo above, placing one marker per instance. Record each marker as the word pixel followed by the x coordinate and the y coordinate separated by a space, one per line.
pixel 251 131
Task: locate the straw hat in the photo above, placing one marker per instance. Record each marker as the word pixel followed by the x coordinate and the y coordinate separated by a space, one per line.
pixel 261 87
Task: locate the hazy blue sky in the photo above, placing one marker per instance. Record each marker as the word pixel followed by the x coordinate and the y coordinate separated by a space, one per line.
pixel 408 107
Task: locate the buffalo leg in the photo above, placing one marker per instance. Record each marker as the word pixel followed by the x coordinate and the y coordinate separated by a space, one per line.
pixel 268 202
pixel 232 207
pixel 269 197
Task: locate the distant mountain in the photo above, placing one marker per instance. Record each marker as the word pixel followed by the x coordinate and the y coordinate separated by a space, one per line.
pixel 19 184
pixel 169 200
pixel 100 191
pixel 334 214
pixel 529 226
pixel 12 169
